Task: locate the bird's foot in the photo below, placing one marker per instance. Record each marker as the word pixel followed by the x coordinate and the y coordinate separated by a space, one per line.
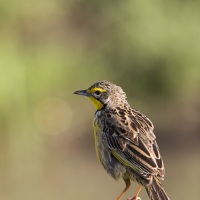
pixel 134 198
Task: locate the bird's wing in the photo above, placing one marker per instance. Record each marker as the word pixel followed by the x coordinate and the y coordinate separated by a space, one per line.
pixel 130 137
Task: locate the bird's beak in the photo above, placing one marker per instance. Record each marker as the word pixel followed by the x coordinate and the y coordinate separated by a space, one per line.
pixel 82 92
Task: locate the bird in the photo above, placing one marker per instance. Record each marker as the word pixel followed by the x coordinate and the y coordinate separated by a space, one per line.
pixel 125 142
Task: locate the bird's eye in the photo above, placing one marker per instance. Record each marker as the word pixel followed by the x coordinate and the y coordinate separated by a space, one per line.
pixel 97 92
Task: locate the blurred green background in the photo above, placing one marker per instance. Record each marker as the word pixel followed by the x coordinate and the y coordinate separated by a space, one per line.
pixel 50 48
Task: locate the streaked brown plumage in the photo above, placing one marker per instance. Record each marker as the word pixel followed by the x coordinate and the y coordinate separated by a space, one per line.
pixel 124 140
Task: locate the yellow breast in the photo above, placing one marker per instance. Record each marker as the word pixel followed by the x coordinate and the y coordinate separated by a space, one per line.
pixel 96 138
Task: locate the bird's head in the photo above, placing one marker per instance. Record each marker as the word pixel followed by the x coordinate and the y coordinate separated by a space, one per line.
pixel 103 94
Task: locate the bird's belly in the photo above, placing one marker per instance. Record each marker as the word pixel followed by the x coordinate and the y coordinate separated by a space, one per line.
pixel 101 151
pixel 104 155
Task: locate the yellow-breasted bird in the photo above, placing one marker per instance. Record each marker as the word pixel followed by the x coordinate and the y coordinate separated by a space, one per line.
pixel 124 140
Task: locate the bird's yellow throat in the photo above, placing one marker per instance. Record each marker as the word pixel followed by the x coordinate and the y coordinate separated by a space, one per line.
pixel 98 105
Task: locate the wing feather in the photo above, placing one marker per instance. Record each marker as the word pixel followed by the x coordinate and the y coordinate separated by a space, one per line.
pixel 132 141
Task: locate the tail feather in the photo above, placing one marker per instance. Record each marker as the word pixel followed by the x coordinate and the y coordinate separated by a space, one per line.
pixel 155 191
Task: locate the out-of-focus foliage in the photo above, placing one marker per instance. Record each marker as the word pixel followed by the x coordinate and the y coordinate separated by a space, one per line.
pixel 50 48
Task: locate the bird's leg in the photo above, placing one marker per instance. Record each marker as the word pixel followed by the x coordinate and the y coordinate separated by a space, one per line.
pixel 137 194
pixel 128 183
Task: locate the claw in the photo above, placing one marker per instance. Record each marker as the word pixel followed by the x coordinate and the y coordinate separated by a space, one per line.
pixel 138 198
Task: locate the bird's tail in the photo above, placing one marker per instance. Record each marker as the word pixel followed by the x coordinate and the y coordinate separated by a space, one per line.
pixel 156 191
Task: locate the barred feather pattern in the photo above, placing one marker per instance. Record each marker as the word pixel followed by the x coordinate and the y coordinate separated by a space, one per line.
pixel 130 135
pixel 155 191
